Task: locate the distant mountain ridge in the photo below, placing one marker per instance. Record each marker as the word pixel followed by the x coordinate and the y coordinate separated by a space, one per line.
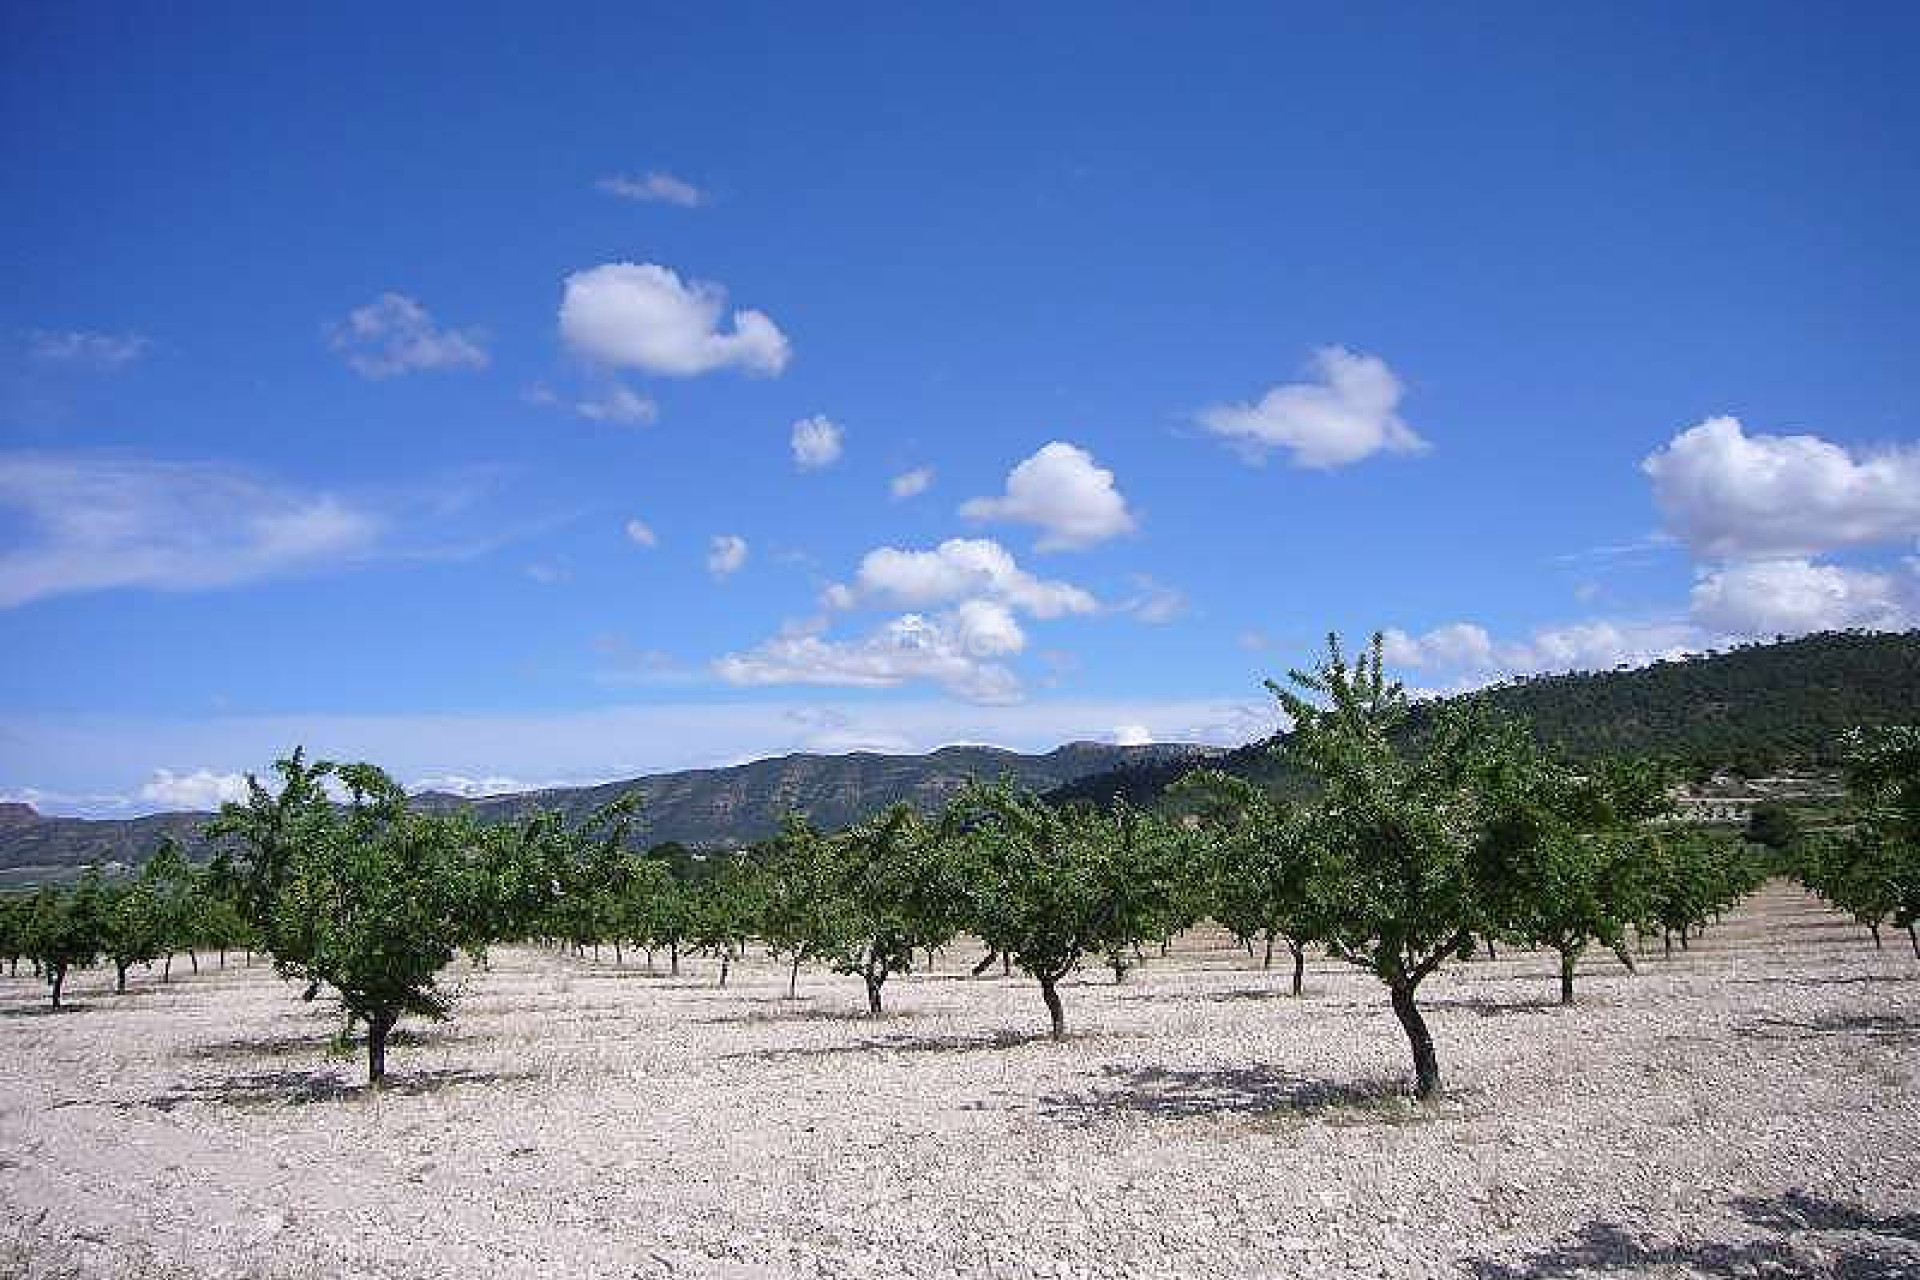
pixel 700 807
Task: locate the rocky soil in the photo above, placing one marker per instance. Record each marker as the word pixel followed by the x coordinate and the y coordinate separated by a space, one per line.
pixel 1750 1108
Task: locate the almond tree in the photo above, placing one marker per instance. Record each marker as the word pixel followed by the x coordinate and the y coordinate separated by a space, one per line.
pixel 1052 884
pixel 1394 827
pixel 1263 865
pixel 803 916
pixel 1561 855
pixel 888 897
pixel 63 930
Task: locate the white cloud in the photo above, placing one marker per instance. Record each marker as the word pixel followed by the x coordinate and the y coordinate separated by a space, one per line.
pixel 394 334
pixel 1458 644
pixel 456 784
pixel 641 534
pixel 959 568
pixel 951 650
pixel 88 350
pixel 1062 491
pixel 1731 496
pixel 642 316
pixel 1764 598
pixel 202 789
pixel 726 555
pixel 817 443
pixel 653 188
pixel 1155 603
pixel 619 404
pixel 911 484
pixel 94 522
pixel 1349 413
pixel 1601 644
pixel 1132 735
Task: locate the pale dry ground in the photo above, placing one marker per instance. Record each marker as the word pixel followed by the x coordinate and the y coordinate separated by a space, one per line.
pixel 1751 1108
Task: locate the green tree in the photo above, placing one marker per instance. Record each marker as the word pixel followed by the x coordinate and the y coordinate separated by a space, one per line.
pixel 803 916
pixel 887 897
pixel 1050 884
pixel 1263 868
pixel 131 927
pixel 64 929
pixel 1883 776
pixel 1395 827
pixel 371 897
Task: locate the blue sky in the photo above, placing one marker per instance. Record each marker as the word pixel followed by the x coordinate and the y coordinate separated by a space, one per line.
pixel 340 353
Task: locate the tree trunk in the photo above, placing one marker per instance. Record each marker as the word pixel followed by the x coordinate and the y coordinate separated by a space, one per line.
pixel 57 976
pixel 1055 1011
pixel 726 964
pixel 119 978
pixel 619 955
pixel 793 978
pixel 166 970
pixel 1299 964
pixel 986 963
pixel 673 966
pixel 1567 957
pixel 1874 928
pixel 378 1028
pixel 1006 965
pixel 1491 954
pixel 649 959
pixel 193 958
pixel 875 981
pixel 1666 942
pixel 1426 1066
pixel 223 957
pixel 1266 961
pixel 1913 936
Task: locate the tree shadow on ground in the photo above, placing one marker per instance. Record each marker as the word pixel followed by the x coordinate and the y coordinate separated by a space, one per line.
pixel 892 1044
pixel 1187 1094
pixel 242 1048
pixel 1808 1238
pixel 304 1088
pixel 44 1010
pixel 1874 1026
pixel 795 1011
pixel 1854 980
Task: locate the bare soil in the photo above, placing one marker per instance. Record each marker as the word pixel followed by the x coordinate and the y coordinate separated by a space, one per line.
pixel 1749 1108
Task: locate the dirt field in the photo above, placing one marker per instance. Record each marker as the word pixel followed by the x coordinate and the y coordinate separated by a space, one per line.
pixel 1751 1108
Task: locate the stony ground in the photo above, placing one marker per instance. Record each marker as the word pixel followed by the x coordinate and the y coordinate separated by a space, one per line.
pixel 1750 1108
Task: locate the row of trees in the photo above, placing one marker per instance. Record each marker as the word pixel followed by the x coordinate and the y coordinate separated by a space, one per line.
pixel 166 909
pixel 1402 859
pixel 1871 868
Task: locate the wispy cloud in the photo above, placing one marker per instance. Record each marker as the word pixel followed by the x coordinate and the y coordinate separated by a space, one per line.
pixel 394 334
pixel 653 188
pixel 108 351
pixel 93 522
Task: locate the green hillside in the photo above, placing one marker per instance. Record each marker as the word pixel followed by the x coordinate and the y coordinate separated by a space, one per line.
pixel 1755 708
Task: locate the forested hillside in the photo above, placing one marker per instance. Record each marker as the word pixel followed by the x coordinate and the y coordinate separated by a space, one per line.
pixel 1755 708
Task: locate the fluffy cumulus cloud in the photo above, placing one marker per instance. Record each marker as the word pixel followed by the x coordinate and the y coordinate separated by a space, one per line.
pixel 726 555
pixel 1063 492
pixel 94 522
pixel 816 443
pixel 957 569
pixel 80 349
pixel 394 334
pixel 1132 735
pixel 202 789
pixel 1457 645
pixel 641 534
pixel 1764 598
pixel 643 316
pixel 954 650
pixel 910 484
pixel 653 188
pixel 1349 411
pixel 1732 496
